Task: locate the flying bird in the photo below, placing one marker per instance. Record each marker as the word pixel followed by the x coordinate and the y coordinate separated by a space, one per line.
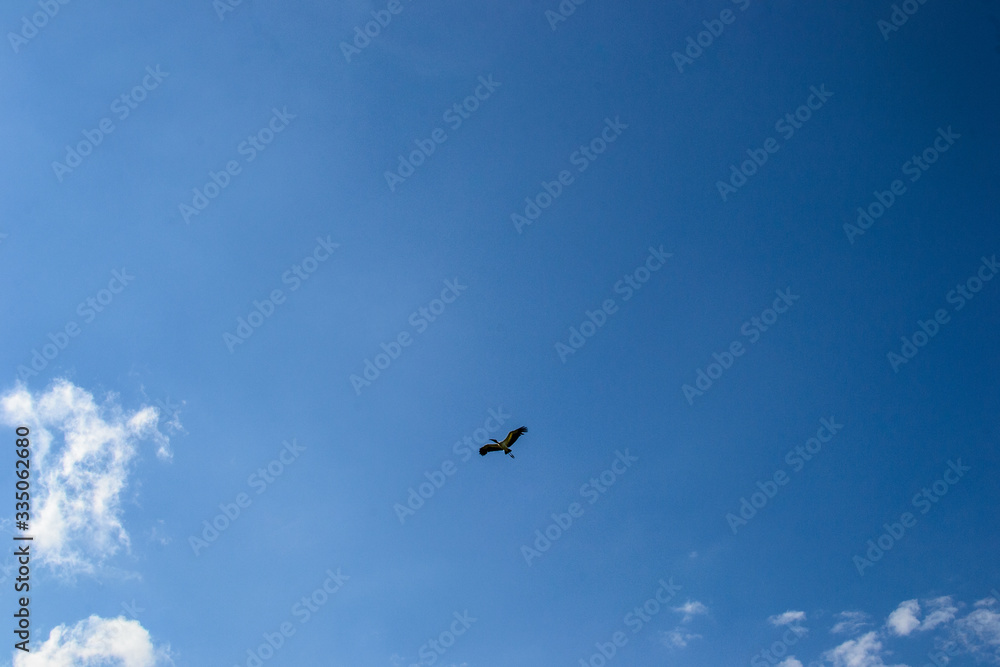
pixel 504 446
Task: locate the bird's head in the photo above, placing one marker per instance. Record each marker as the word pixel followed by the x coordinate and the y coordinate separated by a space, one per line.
pixel 494 441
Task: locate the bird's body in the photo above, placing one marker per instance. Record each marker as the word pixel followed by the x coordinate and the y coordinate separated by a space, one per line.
pixel 505 445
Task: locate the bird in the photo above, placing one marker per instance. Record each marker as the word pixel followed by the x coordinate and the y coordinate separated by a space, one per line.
pixel 504 446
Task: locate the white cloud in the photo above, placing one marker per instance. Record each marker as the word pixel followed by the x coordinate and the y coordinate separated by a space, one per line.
pixel 77 520
pixel 678 637
pixel 850 622
pixel 690 609
pixel 788 618
pixel 979 632
pixel 96 641
pixel 905 619
pixel 790 661
pixel 865 651
pixel 976 634
pixel 942 611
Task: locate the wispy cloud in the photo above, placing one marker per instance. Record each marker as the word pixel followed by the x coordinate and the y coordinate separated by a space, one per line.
pixel 690 609
pixel 83 452
pixel 942 611
pixel 850 622
pixel 788 618
pixel 865 651
pixel 976 633
pixel 97 641
pixel 906 618
pixel 979 632
pixel 678 637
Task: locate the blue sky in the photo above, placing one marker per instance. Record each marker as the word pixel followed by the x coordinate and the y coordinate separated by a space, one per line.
pixel 217 302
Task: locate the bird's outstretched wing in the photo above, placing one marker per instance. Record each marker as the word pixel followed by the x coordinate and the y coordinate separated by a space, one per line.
pixel 514 435
pixel 489 448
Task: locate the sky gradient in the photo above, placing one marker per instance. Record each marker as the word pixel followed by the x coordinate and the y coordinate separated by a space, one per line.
pixel 270 281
